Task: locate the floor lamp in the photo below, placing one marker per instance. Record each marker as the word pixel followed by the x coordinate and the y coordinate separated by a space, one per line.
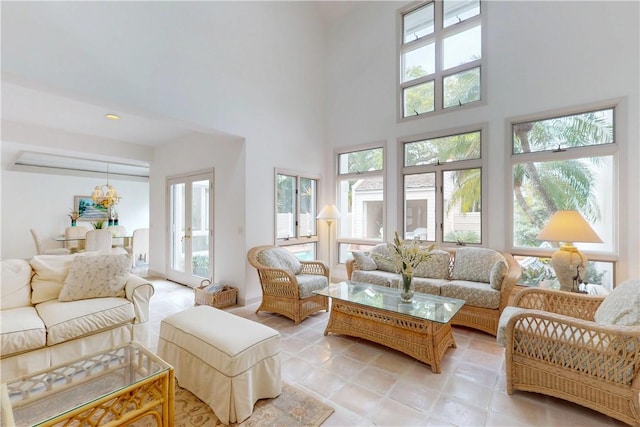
pixel 568 227
pixel 329 213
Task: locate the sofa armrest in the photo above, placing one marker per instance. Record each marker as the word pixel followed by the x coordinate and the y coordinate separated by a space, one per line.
pixel 315 267
pixel 139 292
pixel 351 265
pixel 580 306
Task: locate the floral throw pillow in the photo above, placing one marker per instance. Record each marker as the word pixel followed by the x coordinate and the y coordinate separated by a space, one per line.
pixel 96 276
pixel 363 261
pixel 621 306
pixel 280 258
pixel 474 264
pixel 381 255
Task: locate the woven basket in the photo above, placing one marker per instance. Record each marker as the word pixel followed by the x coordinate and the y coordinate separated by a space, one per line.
pixel 224 298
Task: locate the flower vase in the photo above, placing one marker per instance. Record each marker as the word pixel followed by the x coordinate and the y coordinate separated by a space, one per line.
pixel 406 287
pixel 73 222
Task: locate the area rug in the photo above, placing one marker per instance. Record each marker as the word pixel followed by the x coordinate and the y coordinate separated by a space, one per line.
pixel 292 408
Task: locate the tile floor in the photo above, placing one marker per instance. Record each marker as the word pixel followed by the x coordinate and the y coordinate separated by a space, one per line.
pixel 369 385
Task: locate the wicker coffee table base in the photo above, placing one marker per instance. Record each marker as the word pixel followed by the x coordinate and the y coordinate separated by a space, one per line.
pixel 422 339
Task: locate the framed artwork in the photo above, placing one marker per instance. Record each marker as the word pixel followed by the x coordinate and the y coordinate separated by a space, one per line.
pixel 88 209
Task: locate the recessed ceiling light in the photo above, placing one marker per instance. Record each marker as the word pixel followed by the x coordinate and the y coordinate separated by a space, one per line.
pixel 112 116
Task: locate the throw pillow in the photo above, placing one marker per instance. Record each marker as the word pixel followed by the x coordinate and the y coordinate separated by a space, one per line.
pixel 621 306
pixel 496 276
pixel 49 274
pixel 96 276
pixel 381 255
pixel 363 261
pixel 474 264
pixel 280 258
pixel 434 267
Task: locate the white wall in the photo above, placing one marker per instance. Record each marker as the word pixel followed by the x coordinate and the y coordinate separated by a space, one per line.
pixel 225 156
pixel 541 56
pixel 42 201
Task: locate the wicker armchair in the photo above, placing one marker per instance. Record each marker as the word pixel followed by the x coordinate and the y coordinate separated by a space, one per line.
pixel 286 293
pixel 554 346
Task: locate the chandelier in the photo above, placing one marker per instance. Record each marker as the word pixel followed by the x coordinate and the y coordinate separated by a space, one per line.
pixel 105 195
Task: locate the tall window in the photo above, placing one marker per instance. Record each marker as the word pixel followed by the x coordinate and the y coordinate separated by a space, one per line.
pixel 564 162
pixel 442 178
pixel 360 200
pixel 296 210
pixel 440 56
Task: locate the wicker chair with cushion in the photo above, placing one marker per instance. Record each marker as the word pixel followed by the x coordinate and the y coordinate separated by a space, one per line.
pixel 288 283
pixel 577 347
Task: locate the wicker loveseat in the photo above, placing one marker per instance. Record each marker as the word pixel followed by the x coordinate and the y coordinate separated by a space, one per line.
pixel 577 347
pixel 288 284
pixel 482 277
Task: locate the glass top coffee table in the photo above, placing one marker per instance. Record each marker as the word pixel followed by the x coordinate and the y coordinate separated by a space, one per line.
pixel 421 328
pixel 113 387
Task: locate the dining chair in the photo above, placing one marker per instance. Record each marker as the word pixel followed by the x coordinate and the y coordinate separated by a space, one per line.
pixel 140 246
pixel 40 250
pixel 77 232
pixel 99 240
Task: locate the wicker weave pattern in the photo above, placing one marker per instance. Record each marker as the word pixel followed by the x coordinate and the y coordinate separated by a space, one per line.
pixel 571 358
pixel 423 340
pixel 280 292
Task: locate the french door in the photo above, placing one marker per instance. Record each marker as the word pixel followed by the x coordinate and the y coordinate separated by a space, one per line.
pixel 190 204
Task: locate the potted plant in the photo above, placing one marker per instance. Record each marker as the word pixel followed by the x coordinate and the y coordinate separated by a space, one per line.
pixel 74 215
pixel 98 224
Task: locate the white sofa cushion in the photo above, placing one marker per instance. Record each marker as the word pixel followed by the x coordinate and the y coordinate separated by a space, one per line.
pixel 621 307
pixel 376 277
pixel 16 284
pixel 22 330
pixel 474 264
pixel 50 272
pixel 96 276
pixel 69 320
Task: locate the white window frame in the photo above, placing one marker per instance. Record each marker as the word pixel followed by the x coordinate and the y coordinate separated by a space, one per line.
pixel 361 175
pixel 438 36
pixel 439 170
pixel 616 150
pixel 298 239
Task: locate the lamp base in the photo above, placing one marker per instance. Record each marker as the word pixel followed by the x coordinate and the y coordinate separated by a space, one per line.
pixel 566 261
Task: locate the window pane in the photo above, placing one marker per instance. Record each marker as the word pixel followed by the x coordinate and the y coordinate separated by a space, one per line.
pixel 442 150
pixel 361 205
pixel 345 249
pixel 542 188
pixel 418 99
pixel 462 88
pixel 418 62
pixel 360 161
pixel 304 252
pixel 307 207
pixel 462 47
pixel 286 207
pixel 420 206
pixel 418 23
pixel 462 192
pixel 578 130
pixel 458 10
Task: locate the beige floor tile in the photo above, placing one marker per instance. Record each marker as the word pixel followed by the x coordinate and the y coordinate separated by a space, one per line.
pixel 368 384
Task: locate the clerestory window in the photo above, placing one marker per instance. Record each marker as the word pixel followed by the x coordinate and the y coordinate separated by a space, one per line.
pixel 441 60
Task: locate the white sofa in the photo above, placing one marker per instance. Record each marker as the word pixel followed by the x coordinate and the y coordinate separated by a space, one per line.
pixel 482 277
pixel 104 305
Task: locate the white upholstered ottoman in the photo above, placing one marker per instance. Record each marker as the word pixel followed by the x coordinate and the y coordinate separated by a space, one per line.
pixel 227 361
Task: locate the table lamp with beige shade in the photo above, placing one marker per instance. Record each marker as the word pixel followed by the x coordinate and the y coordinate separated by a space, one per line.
pixel 568 227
